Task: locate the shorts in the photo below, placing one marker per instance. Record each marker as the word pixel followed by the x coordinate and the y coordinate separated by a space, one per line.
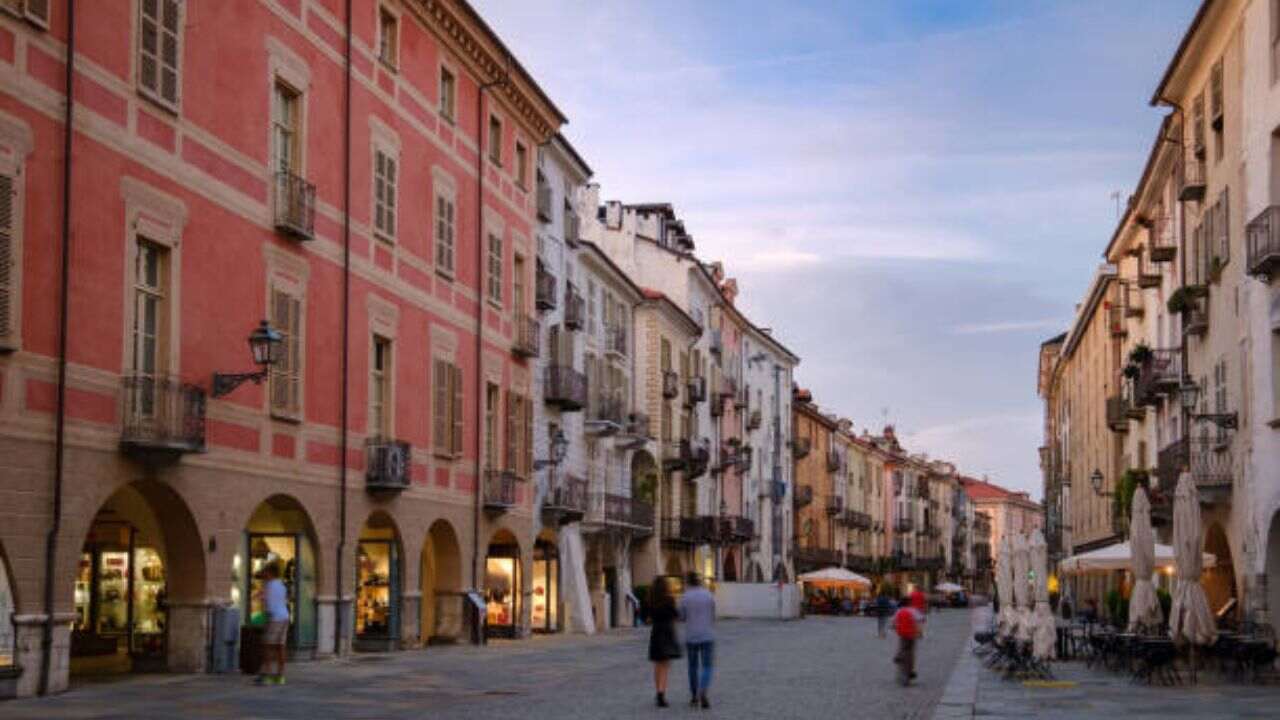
pixel 276 632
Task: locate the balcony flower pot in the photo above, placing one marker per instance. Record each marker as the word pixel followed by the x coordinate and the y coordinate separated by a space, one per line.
pixel 1179 302
pixel 1132 371
pixel 1140 354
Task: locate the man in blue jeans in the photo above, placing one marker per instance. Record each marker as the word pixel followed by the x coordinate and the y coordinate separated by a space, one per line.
pixel 698 610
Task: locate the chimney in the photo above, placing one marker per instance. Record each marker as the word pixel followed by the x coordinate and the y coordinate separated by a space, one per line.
pixel 729 290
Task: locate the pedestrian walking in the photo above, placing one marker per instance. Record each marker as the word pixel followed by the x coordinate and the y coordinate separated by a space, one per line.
pixel 909 624
pixel 275 598
pixel 663 645
pixel 882 610
pixel 698 610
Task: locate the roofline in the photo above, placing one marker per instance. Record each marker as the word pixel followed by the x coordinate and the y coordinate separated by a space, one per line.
pixel 664 301
pixel 1169 71
pixel 1152 157
pixel 1101 279
pixel 563 141
pixel 812 410
pixel 1055 340
pixel 768 339
pixel 524 74
pixel 613 267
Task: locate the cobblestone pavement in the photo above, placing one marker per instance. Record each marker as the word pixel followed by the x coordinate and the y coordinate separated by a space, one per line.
pixel 1084 694
pixel 819 667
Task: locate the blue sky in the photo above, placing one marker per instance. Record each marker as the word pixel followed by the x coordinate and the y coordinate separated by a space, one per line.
pixel 913 194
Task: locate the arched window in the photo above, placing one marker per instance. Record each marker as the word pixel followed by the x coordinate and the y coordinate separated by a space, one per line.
pixel 7 604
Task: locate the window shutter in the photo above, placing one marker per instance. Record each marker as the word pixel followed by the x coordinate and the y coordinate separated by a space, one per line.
pixel 37 11
pixel 593 409
pixel 440 407
pixel 528 439
pixel 456 414
pixel 295 356
pixel 553 339
pixel 6 263
pixel 509 430
pixel 1224 226
pixel 391 196
pixel 280 371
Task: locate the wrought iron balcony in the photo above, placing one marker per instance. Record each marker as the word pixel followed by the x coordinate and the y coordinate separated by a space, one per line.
pixel 295 206
pixel 1118 413
pixel 834 461
pixel 387 465
pixel 931 562
pixel 835 504
pixel 803 495
pixel 857 520
pixel 1195 320
pixel 1191 180
pixel 686 457
pixel 544 201
pixel 903 560
pixel 565 388
pixel 859 563
pixel 904 525
pixel 162 417
pixel 670 384
pixel 814 555
pixel 1158 375
pixel 544 289
pixel 745 458
pixel 572 228
pixel 734 529
pixel 755 420
pixel 574 308
pixel 1262 235
pixel 688 530
pixel 626 512
pixel 638 425
pixel 1163 248
pixel 527 331
pixel 697 390
pixel 606 415
pixel 499 490
pixel 615 340
pixel 567 499
pixel 801 447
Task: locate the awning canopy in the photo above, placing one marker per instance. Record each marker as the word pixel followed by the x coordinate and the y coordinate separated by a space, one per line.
pixel 834 576
pixel 1120 557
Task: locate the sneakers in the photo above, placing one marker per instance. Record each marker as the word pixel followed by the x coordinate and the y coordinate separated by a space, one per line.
pixel 278 680
pixel 269 680
pixel 704 702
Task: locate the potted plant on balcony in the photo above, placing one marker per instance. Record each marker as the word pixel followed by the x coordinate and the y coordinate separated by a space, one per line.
pixel 1132 371
pixel 1141 353
pixel 1179 302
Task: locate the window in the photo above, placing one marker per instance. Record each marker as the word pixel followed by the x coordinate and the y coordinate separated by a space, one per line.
pixel 150 309
pixel 444 234
pixel 388 38
pixel 448 94
pixel 495 140
pixel 1220 396
pixel 591 306
pixel 494 283
pixel 1216 109
pixel 522 164
pixel 1197 125
pixel 1275 377
pixel 490 426
pixel 286 373
pixel 517 286
pixel 380 407
pixel 35 11
pixel 285 146
pixel 447 409
pixel 384 195
pixel 158 52
pixel 7 607
pixel 519 440
pixel 9 286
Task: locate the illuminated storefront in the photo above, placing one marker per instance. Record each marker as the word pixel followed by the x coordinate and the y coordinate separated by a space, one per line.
pixel 502 590
pixel 278 532
pixel 377 610
pixel 544 614
pixel 120 601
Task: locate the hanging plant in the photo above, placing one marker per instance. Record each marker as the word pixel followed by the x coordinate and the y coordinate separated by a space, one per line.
pixel 1179 302
pixel 1140 354
pixel 1132 371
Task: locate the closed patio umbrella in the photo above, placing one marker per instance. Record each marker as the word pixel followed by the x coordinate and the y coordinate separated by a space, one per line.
pixel 1044 631
pixel 1004 586
pixel 1144 606
pixel 1021 588
pixel 1190 619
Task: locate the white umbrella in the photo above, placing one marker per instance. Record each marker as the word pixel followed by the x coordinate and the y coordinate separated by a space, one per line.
pixel 1144 606
pixel 1190 619
pixel 947 587
pixel 1004 587
pixel 1021 588
pixel 1045 631
pixel 1120 557
pixel 835 576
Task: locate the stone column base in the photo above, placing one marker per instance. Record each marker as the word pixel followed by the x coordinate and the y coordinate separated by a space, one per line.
pixel 410 620
pixel 29 653
pixel 328 610
pixel 188 637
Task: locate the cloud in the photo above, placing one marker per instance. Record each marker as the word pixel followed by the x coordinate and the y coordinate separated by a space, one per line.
pixel 1009 327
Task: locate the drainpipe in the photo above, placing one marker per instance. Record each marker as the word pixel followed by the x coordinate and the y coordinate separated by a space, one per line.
pixel 55 527
pixel 480 302
pixel 346 333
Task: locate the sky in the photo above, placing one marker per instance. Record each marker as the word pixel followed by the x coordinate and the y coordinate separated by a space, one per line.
pixel 913 195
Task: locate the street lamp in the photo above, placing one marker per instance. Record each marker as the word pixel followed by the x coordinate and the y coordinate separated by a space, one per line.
pixel 1096 481
pixel 559 448
pixel 1189 394
pixel 266 346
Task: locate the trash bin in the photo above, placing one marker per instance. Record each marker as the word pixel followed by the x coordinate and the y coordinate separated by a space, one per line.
pixel 226 637
pixel 251 644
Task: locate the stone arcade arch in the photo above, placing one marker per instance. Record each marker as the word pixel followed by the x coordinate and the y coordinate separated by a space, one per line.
pixel 379 572
pixel 139 586
pixel 280 530
pixel 441 618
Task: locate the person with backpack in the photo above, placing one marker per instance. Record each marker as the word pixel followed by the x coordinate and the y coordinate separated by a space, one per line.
pixel 908 623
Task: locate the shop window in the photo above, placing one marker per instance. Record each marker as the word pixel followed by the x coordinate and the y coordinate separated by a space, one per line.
pixel 377 592
pixel 159 54
pixel 544 614
pixel 502 590
pixel 120 597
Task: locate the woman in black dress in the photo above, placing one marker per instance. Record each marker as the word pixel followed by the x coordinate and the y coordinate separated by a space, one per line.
pixel 663 645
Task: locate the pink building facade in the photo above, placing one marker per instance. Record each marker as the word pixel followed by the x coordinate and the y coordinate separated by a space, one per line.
pixel 364 184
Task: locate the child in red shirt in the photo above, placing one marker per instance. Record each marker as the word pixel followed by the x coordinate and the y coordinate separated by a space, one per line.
pixel 909 624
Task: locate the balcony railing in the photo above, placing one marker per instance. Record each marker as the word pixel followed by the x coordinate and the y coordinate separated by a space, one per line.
pixel 903 560
pixel 685 456
pixel 1208 459
pixel 803 495
pixel 1191 180
pixel 801 447
pixel 544 201
pixel 1159 375
pixel 574 308
pixel 638 425
pixel 697 390
pixel 572 227
pixel 755 420
pixel 1163 248
pixel 812 555
pixel 499 490
pixel 161 415
pixel 526 342
pixel 567 498
pixel 745 457
pixel 565 388
pixel 670 384
pixel 857 520
pixel 735 529
pixel 388 464
pixel 295 206
pixel 1262 235
pixel 835 504
pixel 834 461
pixel 1118 413
pixel 544 288
pixel 688 530
pixel 1195 319
pixel 615 340
pixel 904 525
pixel 625 511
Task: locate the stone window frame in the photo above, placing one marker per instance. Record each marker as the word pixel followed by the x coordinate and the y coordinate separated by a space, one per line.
pixel 289 273
pixel 385 141
pixel 384 322
pixel 444 187
pixel 383 12
pixel 448 112
pixel 285 67
pixel 155 95
pixel 16 144
pixel 159 218
pixel 444 350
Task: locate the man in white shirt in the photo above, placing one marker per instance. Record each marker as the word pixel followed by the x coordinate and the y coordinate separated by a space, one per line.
pixel 275 599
